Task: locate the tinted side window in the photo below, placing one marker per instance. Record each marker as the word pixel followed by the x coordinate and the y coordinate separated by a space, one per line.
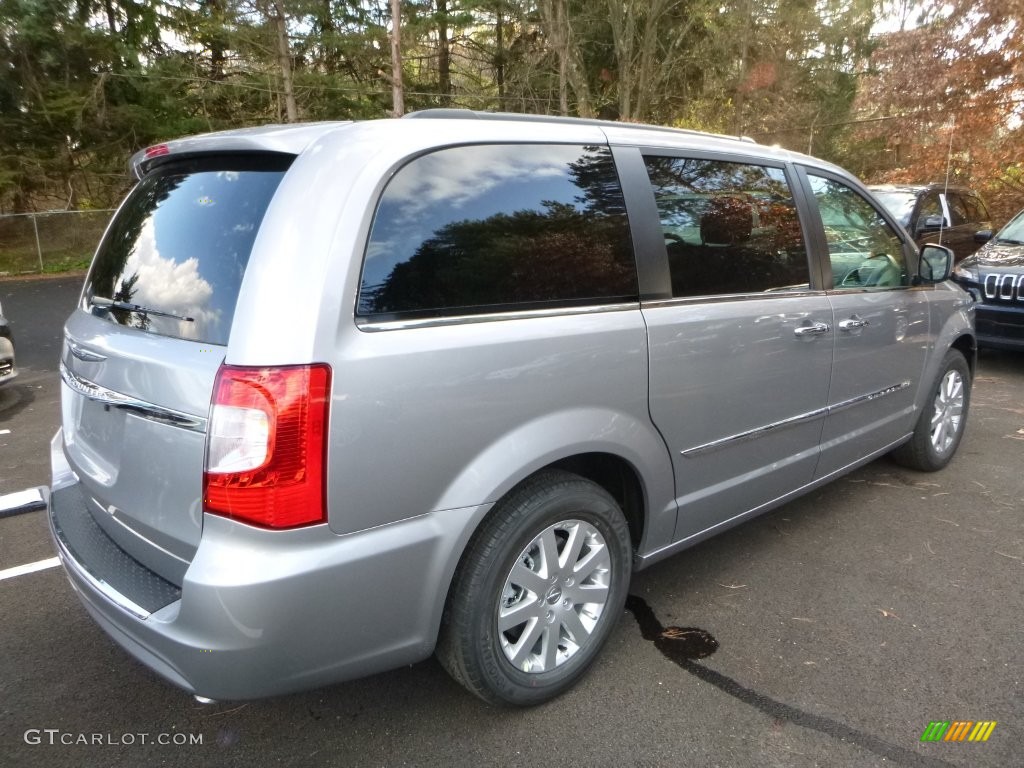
pixel 982 210
pixel 864 250
pixel 180 244
pixel 481 228
pixel 930 207
pixel 975 209
pixel 957 211
pixel 729 227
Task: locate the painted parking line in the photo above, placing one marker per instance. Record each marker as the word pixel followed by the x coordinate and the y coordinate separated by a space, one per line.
pixel 21 570
pixel 29 500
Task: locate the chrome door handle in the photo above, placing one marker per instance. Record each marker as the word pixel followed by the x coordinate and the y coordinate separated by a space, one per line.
pixel 853 323
pixel 814 329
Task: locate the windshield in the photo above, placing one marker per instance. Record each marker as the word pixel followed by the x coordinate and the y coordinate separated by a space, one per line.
pixel 899 204
pixel 1012 232
pixel 179 245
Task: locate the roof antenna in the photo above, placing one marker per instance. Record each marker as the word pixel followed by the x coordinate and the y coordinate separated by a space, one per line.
pixel 945 191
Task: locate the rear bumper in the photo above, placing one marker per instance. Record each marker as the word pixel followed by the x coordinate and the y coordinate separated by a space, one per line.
pixel 261 613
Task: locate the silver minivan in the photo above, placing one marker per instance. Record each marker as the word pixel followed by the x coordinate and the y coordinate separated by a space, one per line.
pixel 339 396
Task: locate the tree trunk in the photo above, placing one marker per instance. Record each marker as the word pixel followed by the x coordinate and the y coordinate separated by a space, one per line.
pixel 571 74
pixel 217 43
pixel 111 18
pixel 737 123
pixel 556 29
pixel 622 22
pixel 444 56
pixel 649 55
pixel 329 32
pixel 397 93
pixel 285 60
pixel 499 58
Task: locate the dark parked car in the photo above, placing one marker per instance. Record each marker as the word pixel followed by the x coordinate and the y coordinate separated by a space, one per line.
pixel 933 213
pixel 7 369
pixel 995 277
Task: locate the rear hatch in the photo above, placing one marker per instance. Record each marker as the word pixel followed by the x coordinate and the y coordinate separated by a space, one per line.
pixel 142 350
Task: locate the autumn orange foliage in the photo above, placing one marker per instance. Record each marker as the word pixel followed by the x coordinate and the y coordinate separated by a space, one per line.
pixel 950 98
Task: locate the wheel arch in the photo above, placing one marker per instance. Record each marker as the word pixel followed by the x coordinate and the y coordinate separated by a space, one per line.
pixel 953 320
pixel 620 479
pixel 629 461
pixel 967 345
pixel 465 601
pixel 624 455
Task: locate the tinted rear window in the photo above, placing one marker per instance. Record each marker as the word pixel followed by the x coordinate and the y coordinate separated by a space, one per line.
pixel 179 246
pixel 489 228
pixel 899 204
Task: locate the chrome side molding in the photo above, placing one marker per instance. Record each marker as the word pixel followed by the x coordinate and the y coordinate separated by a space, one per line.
pixel 803 418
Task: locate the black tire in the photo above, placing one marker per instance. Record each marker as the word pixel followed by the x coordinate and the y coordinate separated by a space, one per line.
pixel 949 399
pixel 521 528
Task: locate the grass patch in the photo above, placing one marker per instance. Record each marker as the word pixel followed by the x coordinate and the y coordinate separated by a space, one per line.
pixel 66 239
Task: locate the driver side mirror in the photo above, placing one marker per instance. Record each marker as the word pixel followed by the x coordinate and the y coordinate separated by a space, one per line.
pixel 934 264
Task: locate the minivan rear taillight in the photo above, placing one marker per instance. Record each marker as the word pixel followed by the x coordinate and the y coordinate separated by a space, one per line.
pixel 266 445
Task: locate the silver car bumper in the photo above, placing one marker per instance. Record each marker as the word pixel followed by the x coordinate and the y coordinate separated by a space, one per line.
pixel 261 613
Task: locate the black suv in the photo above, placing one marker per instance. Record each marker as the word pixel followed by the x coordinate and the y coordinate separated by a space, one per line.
pixel 932 213
pixel 994 276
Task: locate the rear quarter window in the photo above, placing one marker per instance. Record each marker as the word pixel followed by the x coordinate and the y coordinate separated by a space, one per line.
pixel 179 245
pixel 479 229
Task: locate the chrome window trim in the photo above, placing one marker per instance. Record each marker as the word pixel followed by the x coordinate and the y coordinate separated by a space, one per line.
pixel 753 434
pixel 370 326
pixel 682 301
pixel 142 408
pixel 878 288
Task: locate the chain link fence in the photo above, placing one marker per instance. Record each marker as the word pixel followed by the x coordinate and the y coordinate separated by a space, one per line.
pixel 51 241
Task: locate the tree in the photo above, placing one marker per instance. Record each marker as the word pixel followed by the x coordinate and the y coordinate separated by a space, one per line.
pixel 945 99
pixel 84 83
pixel 397 93
pixel 273 11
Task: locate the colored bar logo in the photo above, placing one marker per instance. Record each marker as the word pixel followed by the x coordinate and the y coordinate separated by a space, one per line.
pixel 958 730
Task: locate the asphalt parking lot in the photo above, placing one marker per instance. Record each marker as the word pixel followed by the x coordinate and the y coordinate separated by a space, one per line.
pixel 830 632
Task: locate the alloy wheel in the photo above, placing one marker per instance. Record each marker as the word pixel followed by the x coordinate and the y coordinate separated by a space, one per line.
pixel 554 596
pixel 948 414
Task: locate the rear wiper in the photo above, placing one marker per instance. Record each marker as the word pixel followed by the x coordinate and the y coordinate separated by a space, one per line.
pixel 105 303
